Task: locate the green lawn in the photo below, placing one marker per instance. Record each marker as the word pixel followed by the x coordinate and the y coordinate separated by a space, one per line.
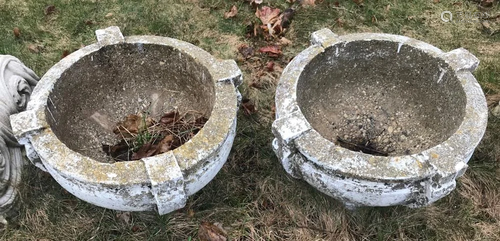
pixel 252 196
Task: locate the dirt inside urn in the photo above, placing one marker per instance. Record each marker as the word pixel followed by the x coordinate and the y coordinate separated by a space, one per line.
pixel 381 97
pixel 118 80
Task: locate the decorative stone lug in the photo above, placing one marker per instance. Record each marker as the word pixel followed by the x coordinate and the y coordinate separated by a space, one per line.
pixel 76 103
pixel 378 119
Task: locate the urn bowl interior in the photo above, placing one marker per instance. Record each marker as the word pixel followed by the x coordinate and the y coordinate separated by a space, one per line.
pixel 381 97
pixel 107 85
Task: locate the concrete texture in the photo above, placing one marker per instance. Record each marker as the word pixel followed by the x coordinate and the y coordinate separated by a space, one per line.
pixel 420 108
pixel 71 109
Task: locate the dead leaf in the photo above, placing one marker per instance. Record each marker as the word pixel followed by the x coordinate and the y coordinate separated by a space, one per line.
pixel 136 228
pixel 211 232
pixel 435 1
pixel 487 3
pixel 358 2
pixel 267 15
pixel 133 124
pixel 270 66
pixel 190 213
pixel 336 4
pixel 145 150
pixel 255 84
pixel 123 217
pixel 284 41
pixel 286 17
pixel 231 12
pixel 272 51
pixel 89 22
pixel 165 144
pixel 119 152
pixel 340 22
pixel 169 118
pixel 49 9
pixel 278 68
pixel 108 15
pixel 64 54
pixel 308 2
pixel 374 19
pixel 33 48
pixel 248 107
pixel 17 32
pixel 246 51
pixel 492 100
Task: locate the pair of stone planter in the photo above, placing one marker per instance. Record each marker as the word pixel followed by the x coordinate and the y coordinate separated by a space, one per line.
pixel 71 107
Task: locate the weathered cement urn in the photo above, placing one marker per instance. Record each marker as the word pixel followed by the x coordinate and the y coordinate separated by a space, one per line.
pixel 74 106
pixel 378 119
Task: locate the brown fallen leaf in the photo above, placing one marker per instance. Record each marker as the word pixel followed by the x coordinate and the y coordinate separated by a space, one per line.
pixel 340 22
pixel 119 152
pixel 211 232
pixel 89 22
pixel 487 3
pixel 270 66
pixel 308 2
pixel 64 54
pixel 374 19
pixel 49 10
pixel 165 144
pixel 123 217
pixel 17 32
pixel 190 213
pixel 231 12
pixel 284 41
pixel 286 17
pixel 33 48
pixel 248 107
pixel 492 100
pixel 435 1
pixel 272 51
pixel 358 2
pixel 145 150
pixel 108 15
pixel 132 124
pixel 255 84
pixel 246 51
pixel 136 228
pixel 268 15
pixel 170 117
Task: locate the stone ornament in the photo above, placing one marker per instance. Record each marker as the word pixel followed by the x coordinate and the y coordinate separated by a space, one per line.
pixel 167 68
pixel 17 82
pixel 452 111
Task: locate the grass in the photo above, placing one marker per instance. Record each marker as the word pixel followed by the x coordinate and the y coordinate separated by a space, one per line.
pixel 252 196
